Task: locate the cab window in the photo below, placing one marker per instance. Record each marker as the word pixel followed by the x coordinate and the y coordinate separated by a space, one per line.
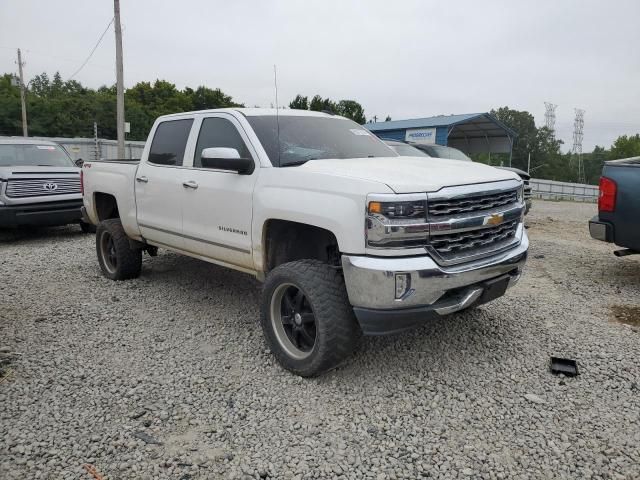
pixel 219 132
pixel 170 142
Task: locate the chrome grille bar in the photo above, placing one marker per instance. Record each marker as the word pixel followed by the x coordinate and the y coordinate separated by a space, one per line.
pixel 21 188
pixel 459 242
pixel 438 208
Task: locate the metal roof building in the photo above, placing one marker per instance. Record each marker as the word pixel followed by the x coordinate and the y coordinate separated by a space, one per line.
pixel 470 132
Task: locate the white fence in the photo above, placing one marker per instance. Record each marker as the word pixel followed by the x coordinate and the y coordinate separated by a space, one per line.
pixel 551 190
pixel 95 149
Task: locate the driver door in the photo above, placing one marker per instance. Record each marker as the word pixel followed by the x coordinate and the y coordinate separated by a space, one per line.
pixel 217 208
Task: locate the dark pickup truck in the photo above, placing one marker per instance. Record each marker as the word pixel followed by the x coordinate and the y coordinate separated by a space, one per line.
pixel 618 219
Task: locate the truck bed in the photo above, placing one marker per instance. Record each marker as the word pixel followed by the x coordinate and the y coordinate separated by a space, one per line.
pixel 114 177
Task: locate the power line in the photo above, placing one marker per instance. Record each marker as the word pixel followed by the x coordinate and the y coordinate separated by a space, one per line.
pixel 94 49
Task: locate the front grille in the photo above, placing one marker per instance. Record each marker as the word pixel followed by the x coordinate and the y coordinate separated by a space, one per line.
pixel 527 189
pixel 464 243
pixel 41 187
pixel 476 203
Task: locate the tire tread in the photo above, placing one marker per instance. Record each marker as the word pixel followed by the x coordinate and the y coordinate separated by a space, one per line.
pixel 324 286
pixel 129 260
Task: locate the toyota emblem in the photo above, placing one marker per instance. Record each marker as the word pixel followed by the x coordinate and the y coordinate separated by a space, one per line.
pixel 50 186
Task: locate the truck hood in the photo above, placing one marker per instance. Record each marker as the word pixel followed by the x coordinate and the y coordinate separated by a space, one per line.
pixel 411 174
pixel 30 171
pixel 521 173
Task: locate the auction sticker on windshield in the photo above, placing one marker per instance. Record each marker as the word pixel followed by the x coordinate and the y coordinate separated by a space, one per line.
pixel 358 131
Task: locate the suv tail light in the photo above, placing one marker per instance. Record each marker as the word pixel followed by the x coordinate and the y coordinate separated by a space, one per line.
pixel 607 198
pixel 81 181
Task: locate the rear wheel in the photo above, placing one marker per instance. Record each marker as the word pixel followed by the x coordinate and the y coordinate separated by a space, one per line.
pixel 118 261
pixel 306 317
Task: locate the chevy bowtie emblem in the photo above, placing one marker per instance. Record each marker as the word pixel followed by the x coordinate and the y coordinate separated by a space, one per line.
pixel 50 186
pixel 495 219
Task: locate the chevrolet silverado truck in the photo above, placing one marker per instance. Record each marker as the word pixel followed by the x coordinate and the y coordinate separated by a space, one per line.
pixel 618 218
pixel 348 237
pixel 39 185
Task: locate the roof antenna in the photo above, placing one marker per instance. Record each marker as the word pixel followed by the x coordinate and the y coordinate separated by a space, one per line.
pixel 275 83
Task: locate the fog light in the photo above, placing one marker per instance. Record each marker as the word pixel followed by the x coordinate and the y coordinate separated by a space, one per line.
pixel 403 284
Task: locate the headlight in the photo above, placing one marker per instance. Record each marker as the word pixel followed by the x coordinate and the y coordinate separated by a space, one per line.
pixel 521 193
pixel 398 210
pixel 396 221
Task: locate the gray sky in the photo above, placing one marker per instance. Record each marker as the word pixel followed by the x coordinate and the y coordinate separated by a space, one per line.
pixel 407 59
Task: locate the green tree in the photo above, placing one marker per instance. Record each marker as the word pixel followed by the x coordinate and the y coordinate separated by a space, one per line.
pixel 318 104
pixel 351 109
pixel 524 125
pixel 347 108
pixel 299 103
pixel 10 119
pixel 625 147
pixel 66 108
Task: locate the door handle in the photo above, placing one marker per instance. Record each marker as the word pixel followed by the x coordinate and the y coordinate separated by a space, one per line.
pixel 190 184
pixel 142 179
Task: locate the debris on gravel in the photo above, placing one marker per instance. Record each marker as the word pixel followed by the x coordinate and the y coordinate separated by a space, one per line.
pixel 7 356
pixel 533 398
pixel 457 398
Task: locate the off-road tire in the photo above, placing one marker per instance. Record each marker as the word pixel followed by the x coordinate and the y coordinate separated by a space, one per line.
pixel 128 261
pixel 337 330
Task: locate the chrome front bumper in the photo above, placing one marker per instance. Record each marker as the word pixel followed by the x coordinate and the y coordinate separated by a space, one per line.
pixel 433 289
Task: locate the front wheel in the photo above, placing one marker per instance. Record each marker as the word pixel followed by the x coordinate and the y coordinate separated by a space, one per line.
pixel 118 261
pixel 306 317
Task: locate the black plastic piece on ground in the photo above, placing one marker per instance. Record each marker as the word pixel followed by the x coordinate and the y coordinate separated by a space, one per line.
pixel 564 365
pixel 625 252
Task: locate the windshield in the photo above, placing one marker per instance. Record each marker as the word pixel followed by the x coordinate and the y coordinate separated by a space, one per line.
pixel 33 156
pixel 408 151
pixel 315 138
pixel 439 151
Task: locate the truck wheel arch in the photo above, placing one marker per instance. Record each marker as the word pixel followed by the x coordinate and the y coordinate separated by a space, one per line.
pixel 106 206
pixel 286 241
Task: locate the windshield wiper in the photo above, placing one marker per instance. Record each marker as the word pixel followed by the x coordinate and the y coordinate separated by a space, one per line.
pixel 297 162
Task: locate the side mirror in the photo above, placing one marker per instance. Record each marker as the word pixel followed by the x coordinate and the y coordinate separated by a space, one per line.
pixel 79 162
pixel 222 158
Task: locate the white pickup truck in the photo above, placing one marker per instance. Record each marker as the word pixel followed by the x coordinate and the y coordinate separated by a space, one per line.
pixel 348 237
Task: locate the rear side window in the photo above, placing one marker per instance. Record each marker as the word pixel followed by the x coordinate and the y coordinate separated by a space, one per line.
pixel 170 142
pixel 219 132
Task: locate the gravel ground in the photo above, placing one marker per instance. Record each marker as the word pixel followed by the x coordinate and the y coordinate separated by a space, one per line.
pixel 167 376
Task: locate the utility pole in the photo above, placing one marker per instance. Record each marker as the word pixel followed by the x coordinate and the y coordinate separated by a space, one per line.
pixel 528 163
pixel 119 80
pixel 96 146
pixel 25 133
